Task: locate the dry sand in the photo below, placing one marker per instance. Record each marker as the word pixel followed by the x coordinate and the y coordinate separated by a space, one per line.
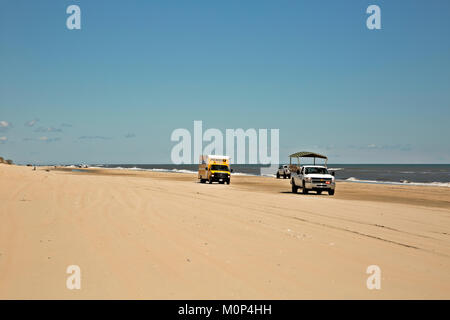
pixel 164 236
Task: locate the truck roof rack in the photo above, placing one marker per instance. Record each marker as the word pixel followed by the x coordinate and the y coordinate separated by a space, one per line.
pixel 307 154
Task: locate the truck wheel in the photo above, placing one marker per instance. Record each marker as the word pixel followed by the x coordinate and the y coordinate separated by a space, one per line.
pixel 228 181
pixel 284 176
pixel 202 180
pixel 289 176
pixel 331 192
pixel 294 187
pixel 278 175
pixel 210 180
pixel 304 190
pixel 319 191
pixel 221 182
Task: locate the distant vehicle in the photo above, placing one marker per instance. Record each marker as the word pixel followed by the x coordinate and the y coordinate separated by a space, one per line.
pixel 283 171
pixel 214 168
pixel 311 177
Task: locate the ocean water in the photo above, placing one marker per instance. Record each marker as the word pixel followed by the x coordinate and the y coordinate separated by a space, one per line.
pixel 412 174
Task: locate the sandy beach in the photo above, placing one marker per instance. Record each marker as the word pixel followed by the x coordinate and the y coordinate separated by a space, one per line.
pixel 154 235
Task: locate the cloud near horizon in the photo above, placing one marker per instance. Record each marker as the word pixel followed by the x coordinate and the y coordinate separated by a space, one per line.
pixel 5 125
pixel 31 123
pixel 372 146
pixel 47 139
pixel 47 129
pixel 94 138
pixel 43 138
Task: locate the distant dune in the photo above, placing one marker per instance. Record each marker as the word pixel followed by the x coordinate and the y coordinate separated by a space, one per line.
pixel 2 160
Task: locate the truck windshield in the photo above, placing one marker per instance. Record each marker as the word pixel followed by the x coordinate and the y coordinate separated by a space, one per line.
pixel 316 170
pixel 219 167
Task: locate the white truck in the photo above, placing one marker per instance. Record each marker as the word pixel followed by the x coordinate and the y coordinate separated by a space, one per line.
pixel 313 178
pixel 283 171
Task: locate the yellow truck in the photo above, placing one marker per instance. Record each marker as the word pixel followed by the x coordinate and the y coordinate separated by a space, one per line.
pixel 214 168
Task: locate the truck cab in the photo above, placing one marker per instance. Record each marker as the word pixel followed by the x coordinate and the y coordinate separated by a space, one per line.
pixel 214 168
pixel 313 178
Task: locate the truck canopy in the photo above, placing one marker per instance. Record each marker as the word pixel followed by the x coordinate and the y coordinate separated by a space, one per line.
pixel 306 154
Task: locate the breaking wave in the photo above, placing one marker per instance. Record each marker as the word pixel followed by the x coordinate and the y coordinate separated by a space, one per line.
pixel 402 183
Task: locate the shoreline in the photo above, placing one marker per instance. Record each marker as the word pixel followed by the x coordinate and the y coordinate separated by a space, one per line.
pixel 350 180
pixel 380 192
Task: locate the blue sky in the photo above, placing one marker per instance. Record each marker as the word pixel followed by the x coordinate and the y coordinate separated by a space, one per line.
pixel 114 91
